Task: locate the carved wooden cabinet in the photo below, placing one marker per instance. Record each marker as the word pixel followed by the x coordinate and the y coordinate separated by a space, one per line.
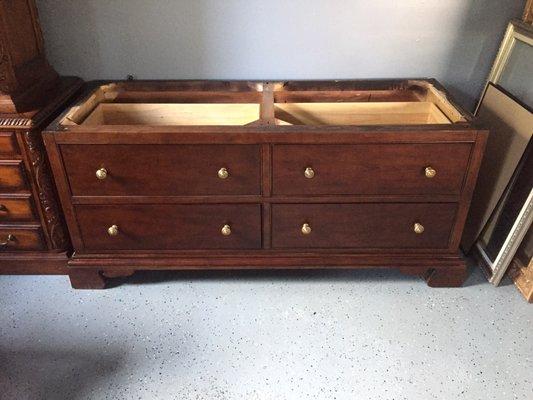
pixel 33 238
pixel 220 175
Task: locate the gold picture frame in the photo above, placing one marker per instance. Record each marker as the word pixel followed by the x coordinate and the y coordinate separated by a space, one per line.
pixel 517 31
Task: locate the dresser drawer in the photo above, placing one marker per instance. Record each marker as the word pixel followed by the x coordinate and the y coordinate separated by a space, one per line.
pixel 16 209
pixel 362 225
pixel 163 170
pixel 12 176
pixel 168 227
pixel 401 169
pixel 15 238
pixel 8 145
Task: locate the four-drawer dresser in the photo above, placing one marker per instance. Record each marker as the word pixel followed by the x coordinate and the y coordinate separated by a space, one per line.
pixel 251 175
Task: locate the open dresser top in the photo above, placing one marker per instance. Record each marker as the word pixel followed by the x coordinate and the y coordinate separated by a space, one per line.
pixel 243 103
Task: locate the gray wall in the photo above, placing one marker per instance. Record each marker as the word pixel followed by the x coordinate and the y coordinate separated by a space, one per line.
pixel 454 41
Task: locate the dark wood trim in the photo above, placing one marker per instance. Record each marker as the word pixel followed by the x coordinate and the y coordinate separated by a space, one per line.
pixel 34 263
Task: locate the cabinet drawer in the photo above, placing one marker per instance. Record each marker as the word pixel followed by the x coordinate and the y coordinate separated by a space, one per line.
pixel 15 238
pixel 16 209
pixel 8 145
pixel 362 225
pixel 12 177
pixel 168 227
pixel 163 170
pixel 369 169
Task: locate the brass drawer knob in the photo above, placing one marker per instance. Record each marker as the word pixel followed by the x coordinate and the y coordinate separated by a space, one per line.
pixel 112 230
pixel 10 238
pixel 223 173
pixel 226 230
pixel 309 173
pixel 418 228
pixel 101 173
pixel 306 229
pixel 430 172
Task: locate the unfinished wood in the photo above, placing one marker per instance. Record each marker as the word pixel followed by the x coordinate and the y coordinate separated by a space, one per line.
pixel 439 99
pixel 78 113
pixel 522 276
pixel 521 269
pixel 173 114
pixel 528 12
pixel 389 113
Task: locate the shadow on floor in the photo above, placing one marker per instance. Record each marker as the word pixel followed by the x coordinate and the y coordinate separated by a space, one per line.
pixel 55 374
pixel 334 275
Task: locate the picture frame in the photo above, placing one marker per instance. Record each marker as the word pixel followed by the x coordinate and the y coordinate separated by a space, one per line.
pixel 510 222
pixel 518 33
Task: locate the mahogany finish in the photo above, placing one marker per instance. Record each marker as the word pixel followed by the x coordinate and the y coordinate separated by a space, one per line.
pixel 386 196
pixel 16 209
pixel 8 144
pixel 23 238
pixel 363 226
pixel 172 170
pixel 12 176
pixel 170 227
pixel 29 209
pixel 370 169
pixel 31 95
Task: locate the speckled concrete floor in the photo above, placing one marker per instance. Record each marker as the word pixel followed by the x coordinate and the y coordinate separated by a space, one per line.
pixel 292 335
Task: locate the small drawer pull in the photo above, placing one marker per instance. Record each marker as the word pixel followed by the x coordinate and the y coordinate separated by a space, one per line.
pixel 309 173
pixel 101 173
pixel 3 208
pixel 226 230
pixel 10 238
pixel 112 230
pixel 430 172
pixel 306 229
pixel 418 228
pixel 223 173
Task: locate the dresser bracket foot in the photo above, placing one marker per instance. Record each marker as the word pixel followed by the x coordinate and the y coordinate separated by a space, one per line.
pixel 86 278
pixel 446 277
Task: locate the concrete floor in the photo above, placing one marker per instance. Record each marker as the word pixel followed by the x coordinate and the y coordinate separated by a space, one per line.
pixel 291 335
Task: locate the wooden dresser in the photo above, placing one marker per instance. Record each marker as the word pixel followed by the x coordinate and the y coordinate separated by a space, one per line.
pixel 241 175
pixel 33 236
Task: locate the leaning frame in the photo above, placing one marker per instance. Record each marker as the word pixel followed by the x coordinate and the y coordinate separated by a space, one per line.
pixel 516 31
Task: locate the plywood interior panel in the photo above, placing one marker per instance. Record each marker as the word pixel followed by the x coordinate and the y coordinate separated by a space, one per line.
pixel 383 113
pixel 172 114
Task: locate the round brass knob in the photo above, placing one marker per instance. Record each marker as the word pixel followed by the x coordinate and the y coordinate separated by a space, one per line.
pixel 306 229
pixel 223 173
pixel 418 228
pixel 10 238
pixel 101 173
pixel 309 173
pixel 112 230
pixel 430 172
pixel 226 230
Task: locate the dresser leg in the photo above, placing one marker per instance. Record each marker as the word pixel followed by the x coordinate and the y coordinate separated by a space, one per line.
pixel 86 279
pixel 447 277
